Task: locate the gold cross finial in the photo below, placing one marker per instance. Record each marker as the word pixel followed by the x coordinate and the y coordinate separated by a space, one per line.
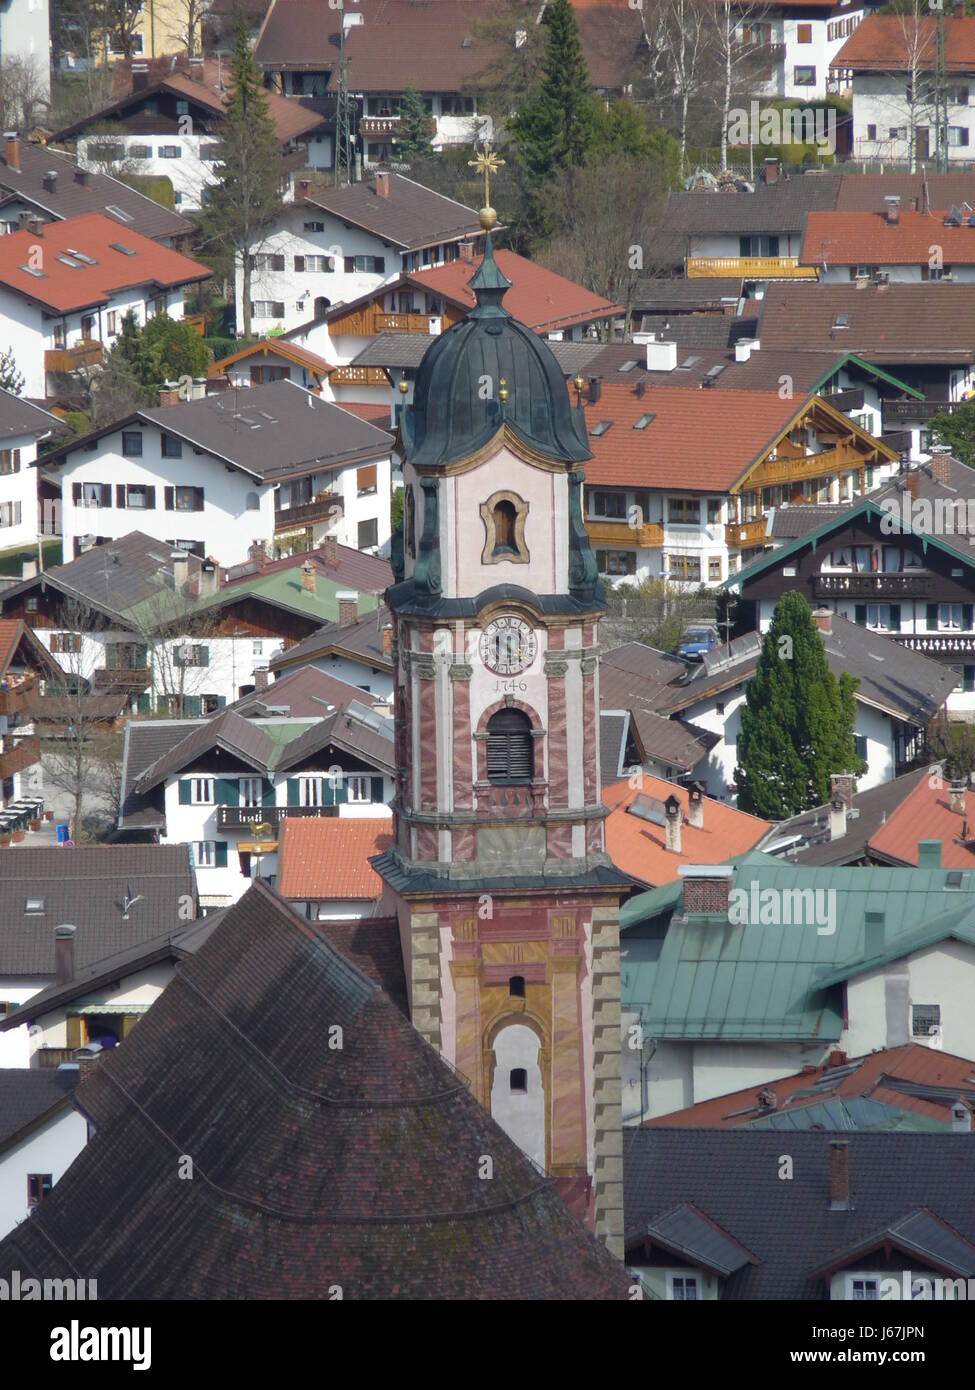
pixel 486 163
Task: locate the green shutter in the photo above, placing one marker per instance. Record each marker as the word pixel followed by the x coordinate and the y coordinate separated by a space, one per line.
pixel 185 792
pixel 377 789
pixel 144 703
pixel 932 617
pixel 192 706
pixel 226 791
pixel 267 793
pixel 220 855
pixel 341 791
pixel 203 656
pixel 293 791
pixel 111 657
pixel 894 624
pixel 221 701
pixel 141 659
pixel 328 792
pixel 860 615
pixel 967 614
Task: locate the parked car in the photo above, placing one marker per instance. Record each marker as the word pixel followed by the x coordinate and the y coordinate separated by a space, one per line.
pixel 697 642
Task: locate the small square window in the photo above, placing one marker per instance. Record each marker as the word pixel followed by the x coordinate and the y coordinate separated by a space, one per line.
pixel 925 1020
pixel 132 444
pixel 518 1081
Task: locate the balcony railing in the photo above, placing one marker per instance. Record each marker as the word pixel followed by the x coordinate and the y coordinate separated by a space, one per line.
pixel 121 678
pixel 937 644
pixel 379 125
pixel 872 585
pixel 359 376
pixel 749 267
pixel 843 458
pixel 327 507
pixel 620 533
pixel 14 696
pixel 402 323
pixel 246 817
pixel 846 400
pixel 87 353
pixel 741 534
pixel 15 756
pixel 897 411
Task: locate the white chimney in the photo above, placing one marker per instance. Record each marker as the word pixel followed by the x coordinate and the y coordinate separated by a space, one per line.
pixel 744 348
pixel 961 1118
pixel 181 568
pixel 673 816
pixel 837 818
pixel 661 357
pixel 695 807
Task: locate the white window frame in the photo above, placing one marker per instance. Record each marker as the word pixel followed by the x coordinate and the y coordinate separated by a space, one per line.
pixel 869 1281
pixel 311 791
pixel 359 783
pixel 202 785
pixel 205 854
pixel 685 1277
pixel 247 786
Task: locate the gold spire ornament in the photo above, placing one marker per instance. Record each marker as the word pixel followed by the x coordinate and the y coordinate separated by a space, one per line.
pixel 503 391
pixel 486 163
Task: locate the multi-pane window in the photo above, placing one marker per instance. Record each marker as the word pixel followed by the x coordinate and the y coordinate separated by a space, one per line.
pixel 9 460
pixel 201 791
pixel 314 264
pixel 132 444
pixel 365 265
pixel 172 448
pixel 863 1288
pixel 184 499
pixel 359 789
pixel 957 135
pixel 684 511
pixel 10 514
pixel 714 569
pixel 91 494
pixel 170 152
pixel 65 643
pixel 311 791
pixel 714 510
pixel 614 562
pixel 135 496
pixel 684 1288
pixel 251 791
pixel 686 567
pixel 191 654
pixel 368 534
pixel 925 1020
pixel 267 308
pixel 609 504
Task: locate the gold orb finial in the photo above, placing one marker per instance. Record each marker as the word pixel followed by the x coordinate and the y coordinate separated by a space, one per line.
pixel 579 383
pixel 502 390
pixel 487 164
pixel 403 387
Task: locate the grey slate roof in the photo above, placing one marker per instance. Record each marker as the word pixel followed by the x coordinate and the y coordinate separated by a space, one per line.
pixel 407 350
pixel 872 807
pixel 27 1095
pixel 612 745
pixel 87 888
pixel 361 640
pixel 405 879
pixel 688 1233
pixel 19 417
pixel 244 738
pixel 353 730
pixel 789 522
pixel 412 216
pixel 685 296
pixel 781 207
pixel 306 693
pixel 145 742
pixel 917 1187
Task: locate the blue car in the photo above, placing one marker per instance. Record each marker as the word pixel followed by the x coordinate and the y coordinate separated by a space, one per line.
pixel 697 642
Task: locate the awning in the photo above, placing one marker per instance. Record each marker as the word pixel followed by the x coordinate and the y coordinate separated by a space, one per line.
pixel 87 1010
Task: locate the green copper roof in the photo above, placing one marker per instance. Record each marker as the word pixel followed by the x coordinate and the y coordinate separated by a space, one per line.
pixel 708 977
pixel 457 398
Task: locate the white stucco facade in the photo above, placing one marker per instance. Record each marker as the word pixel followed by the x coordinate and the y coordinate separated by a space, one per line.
pixel 49 1150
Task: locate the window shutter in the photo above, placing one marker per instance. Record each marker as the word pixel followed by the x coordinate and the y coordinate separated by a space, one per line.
pixel 341 792
pixel 141 659
pixel 192 706
pixel 151 498
pixel 76 493
pixel 931 617
pixel 377 789
pixel 894 623
pixel 293 795
pixel 267 793
pixel 221 701
pixel 277 262
pixel 220 854
pixel 203 654
pixel 185 792
pixel 299 263
pixel 106 494
pixel 120 494
pixel 16 458
pixel 143 704
pixel 75 1025
pixel 379 265
pixel 510 753
pixel 860 614
pixel 226 792
pixel 111 657
pixel 256 373
pixel 169 495
pixel 328 792
pixel 967 614
pixel 349 264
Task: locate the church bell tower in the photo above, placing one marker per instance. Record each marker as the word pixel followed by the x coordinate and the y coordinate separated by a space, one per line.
pixel 507 901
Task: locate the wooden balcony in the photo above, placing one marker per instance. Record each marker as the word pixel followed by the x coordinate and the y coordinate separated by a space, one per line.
pixel 402 323
pixel 15 694
pixel 379 125
pixel 742 535
pixel 895 412
pixel 872 586
pixel 86 353
pixel 15 755
pixel 826 464
pixel 247 817
pixel 327 507
pixel 624 536
pixel 947 646
pixel 359 376
pixel 749 267
pixel 121 678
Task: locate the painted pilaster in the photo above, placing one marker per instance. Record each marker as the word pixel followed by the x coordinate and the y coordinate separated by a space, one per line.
pixel 608 1177
pixel 425 971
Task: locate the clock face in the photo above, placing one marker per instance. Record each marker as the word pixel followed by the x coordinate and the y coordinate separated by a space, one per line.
pixel 508 646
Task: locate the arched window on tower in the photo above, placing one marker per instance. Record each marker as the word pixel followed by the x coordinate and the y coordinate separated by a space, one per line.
pixel 510 748
pixel 504 528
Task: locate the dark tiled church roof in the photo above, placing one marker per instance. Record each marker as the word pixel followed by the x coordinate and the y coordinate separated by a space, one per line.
pixel 314 1166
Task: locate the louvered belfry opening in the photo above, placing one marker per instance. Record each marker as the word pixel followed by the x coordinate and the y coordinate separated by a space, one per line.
pixel 510 748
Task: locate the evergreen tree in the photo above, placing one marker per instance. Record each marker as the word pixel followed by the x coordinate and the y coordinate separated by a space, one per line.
pixel 413 140
pixel 10 378
pixel 798 721
pixel 164 350
pixel 957 431
pixel 246 200
pixel 556 127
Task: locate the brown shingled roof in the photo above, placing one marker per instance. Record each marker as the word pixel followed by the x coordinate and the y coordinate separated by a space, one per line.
pixel 932 322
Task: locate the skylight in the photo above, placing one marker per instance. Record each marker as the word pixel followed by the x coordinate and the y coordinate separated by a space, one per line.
pixel 688 363
pixel 643 421
pixel 118 212
pixel 601 428
pixel 80 256
pixel 841 321
pixel 716 370
pixel 68 260
pixel 35 906
pixel 32 270
pixel 628 366
pixel 121 246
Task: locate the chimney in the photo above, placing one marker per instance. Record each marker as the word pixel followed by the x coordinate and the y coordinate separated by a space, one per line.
pixel 893 208
pixel 169 395
pixel 81 176
pixel 873 932
pixel 674 816
pixel 88 1058
pixel 382 185
pixel 50 181
pixel 309 579
pixel 961 1118
pixel 256 553
pixel 330 551
pixel 839 1175
pixel 208 580
pixel 836 1058
pixel 661 357
pixel 957 797
pixel 941 468
pixel 64 954
pixel 837 818
pixel 29 569
pixel 24 219
pixel 743 349
pixel 348 602
pixel 36 226
pixel 140 76
pixel 771 171
pixel 841 786
pixel 13 149
pixel 304 187
pixel 823 618
pixel 695 806
pixel 181 569
pixel 595 389
pixel 467 251
pixel 929 854
pixel 707 888
pixel 261 678
pixel 913 481
pixel 388 640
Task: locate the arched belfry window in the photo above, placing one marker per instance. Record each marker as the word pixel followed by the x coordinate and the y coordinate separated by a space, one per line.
pixel 510 748
pixel 504 528
pixel 504 515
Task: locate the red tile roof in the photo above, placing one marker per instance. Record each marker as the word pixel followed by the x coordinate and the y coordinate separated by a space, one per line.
pixel 927 815
pixel 538 298
pixel 867 238
pixel 372 413
pixel 888 42
pixel 329 858
pixel 698 441
pixel 64 287
pixel 639 846
pixel 914 1063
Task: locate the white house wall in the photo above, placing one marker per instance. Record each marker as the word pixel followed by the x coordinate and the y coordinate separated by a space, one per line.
pixel 52 1148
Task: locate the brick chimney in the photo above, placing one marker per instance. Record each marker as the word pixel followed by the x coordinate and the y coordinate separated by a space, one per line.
pixel 388 640
pixel 707 888
pixel 262 678
pixel 330 551
pixel 841 787
pixel 839 1175
pixel 674 816
pixel 941 468
pixel 348 602
pixel 771 171
pixel 309 578
pixel 892 203
pixel 64 954
pixel 382 185
pixel 695 806
pixel 467 251
pixel 913 482
pixel 961 1117
pixel 957 797
pixel 169 395
pixel 304 187
pixel 13 148
pixel 88 1060
pixel 257 553
pixel 823 618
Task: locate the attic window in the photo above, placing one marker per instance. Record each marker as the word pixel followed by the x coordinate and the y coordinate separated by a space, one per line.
pixel 121 246
pixel 841 321
pixel 34 906
pixel 716 370
pixel 643 421
pixel 117 212
pixel 925 1020
pixel 466 42
pixel 518 1081
pixel 601 428
pixel 954 879
pixel 688 363
pixel 628 366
